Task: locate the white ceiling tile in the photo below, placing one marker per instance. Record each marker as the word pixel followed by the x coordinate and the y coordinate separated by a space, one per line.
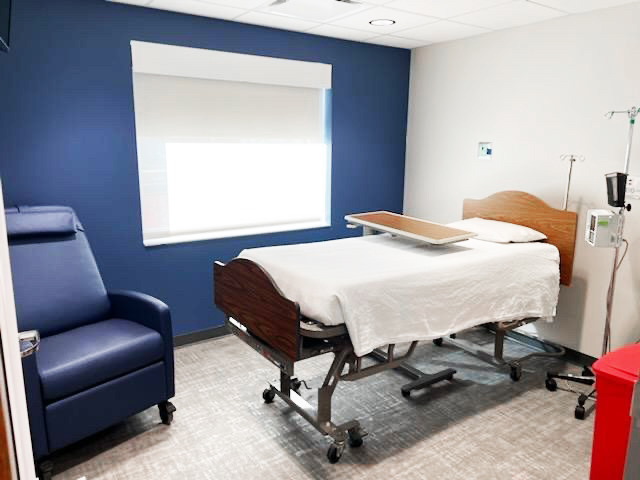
pixel 442 31
pixel 513 14
pixel 248 4
pixel 340 32
pixel 418 22
pixel 314 10
pixel 391 41
pixel 576 6
pixel 444 8
pixel 196 7
pixel 276 21
pixel 403 20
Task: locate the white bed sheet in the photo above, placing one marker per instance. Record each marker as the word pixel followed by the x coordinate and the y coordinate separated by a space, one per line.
pixel 391 290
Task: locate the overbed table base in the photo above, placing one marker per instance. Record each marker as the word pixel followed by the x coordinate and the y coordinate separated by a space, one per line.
pixel 421 380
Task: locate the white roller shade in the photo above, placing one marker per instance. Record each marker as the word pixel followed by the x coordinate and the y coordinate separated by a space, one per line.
pixel 222 156
pixel 175 61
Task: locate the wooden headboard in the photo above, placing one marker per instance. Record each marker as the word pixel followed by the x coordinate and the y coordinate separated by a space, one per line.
pixel 525 209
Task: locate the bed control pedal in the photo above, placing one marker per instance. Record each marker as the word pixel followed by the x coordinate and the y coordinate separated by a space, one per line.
pixel 297 383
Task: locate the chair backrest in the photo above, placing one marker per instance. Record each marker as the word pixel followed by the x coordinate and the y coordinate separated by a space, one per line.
pixel 56 282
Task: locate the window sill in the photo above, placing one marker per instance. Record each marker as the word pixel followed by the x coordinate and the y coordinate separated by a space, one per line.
pixel 240 232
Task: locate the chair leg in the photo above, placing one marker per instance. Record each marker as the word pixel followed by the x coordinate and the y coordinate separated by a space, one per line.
pixel 166 412
pixel 45 470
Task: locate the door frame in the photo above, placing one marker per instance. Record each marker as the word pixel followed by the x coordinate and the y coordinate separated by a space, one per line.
pixel 12 360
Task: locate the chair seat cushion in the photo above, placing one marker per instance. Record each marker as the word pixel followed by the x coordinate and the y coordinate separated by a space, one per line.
pixel 78 359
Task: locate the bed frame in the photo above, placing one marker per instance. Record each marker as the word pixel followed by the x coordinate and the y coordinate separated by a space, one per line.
pixel 259 314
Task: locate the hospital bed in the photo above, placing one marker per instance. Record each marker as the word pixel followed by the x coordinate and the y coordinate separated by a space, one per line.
pixel 286 304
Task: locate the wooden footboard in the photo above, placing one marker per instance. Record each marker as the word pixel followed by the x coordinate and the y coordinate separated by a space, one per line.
pixel 245 292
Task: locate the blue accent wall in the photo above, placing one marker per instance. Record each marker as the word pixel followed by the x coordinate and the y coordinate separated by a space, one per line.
pixel 67 134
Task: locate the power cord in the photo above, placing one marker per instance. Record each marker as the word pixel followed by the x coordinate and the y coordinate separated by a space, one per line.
pixel 607 331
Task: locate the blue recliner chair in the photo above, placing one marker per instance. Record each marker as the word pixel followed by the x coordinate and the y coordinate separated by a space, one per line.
pixel 103 356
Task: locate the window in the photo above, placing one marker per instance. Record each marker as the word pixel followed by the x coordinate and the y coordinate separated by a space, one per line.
pixel 229 144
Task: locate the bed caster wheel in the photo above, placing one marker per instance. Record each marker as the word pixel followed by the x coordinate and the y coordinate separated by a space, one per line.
pixel 355 438
pixel 295 385
pixel 334 454
pixel 551 384
pixel 437 342
pixel 268 395
pixel 166 412
pixel 516 372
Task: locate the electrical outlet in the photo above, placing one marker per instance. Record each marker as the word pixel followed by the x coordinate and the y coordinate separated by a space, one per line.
pixel 485 150
pixel 633 187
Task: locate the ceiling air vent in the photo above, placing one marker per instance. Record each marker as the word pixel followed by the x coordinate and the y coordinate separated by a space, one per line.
pixel 315 10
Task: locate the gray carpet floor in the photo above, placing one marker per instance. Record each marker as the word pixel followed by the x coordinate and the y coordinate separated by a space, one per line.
pixel 480 426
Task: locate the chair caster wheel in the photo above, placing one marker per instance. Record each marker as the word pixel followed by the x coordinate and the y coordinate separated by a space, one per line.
pixel 551 384
pixel 268 395
pixel 405 393
pixel 453 335
pixel 580 412
pixel 437 342
pixel 166 412
pixel 516 372
pixel 334 454
pixel 355 438
pixel 45 470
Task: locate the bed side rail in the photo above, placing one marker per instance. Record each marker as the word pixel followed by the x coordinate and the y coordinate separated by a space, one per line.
pixel 245 292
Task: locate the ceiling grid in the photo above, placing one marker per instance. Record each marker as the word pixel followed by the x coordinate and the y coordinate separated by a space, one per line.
pixel 395 23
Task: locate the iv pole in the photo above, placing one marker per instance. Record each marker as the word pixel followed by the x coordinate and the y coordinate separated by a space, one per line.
pixel 587 377
pixel 632 113
pixel 571 159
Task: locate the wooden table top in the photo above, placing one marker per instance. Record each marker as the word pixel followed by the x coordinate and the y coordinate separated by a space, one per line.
pixel 409 227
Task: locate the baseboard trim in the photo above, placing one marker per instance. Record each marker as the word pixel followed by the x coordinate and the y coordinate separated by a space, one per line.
pixel 200 335
pixel 572 356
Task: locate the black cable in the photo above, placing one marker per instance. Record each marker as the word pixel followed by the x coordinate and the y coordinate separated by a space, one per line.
pixel 607 332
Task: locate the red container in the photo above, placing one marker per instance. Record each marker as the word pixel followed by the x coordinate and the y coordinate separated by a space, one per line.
pixel 616 375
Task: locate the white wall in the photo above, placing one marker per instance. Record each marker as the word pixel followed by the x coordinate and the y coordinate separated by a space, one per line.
pixel 536 92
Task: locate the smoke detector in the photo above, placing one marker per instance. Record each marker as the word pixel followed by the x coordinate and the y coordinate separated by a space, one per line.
pixel 315 10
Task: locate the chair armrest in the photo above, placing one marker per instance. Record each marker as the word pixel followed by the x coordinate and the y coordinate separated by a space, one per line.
pixel 141 308
pixel 152 313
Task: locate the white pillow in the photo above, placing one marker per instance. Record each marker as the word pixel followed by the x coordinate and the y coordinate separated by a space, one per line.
pixel 498 232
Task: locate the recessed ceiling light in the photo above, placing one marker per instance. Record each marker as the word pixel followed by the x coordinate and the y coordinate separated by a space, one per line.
pixel 382 22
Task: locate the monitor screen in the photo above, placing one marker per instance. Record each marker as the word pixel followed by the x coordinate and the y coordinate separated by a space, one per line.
pixel 5 24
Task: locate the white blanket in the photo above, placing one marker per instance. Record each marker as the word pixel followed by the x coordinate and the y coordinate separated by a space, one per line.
pixel 389 290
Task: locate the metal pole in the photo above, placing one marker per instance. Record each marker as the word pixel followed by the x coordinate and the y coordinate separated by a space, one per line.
pixel 606 338
pixel 632 120
pixel 606 341
pixel 566 193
